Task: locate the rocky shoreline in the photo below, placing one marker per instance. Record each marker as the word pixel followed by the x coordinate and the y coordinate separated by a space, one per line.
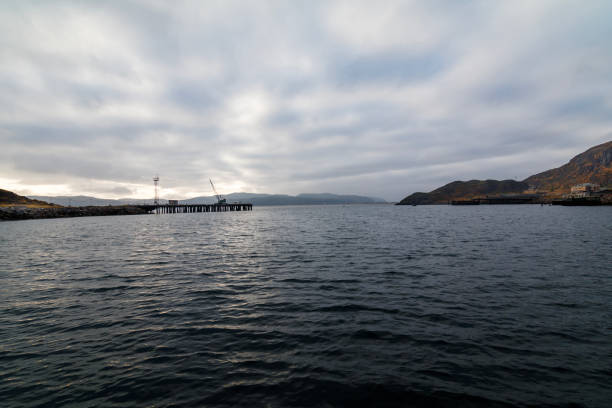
pixel 28 213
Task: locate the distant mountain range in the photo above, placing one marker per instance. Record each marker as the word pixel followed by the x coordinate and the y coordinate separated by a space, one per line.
pixel 255 199
pixel 82 201
pixel 591 166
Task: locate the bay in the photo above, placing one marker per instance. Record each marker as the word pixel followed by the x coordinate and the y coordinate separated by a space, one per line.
pixel 356 305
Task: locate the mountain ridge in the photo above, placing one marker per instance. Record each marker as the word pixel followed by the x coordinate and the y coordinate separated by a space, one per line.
pixel 591 166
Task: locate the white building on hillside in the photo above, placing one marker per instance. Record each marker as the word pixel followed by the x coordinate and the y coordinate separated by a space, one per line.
pixel 584 190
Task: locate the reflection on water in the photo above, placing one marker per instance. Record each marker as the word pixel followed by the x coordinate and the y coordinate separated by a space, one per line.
pixel 309 306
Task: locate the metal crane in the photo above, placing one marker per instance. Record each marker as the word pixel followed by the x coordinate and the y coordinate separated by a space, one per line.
pixel 220 200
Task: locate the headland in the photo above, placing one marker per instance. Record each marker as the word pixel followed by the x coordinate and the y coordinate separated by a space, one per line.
pixel 585 180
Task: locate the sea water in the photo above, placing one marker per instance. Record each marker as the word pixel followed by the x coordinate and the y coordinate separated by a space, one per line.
pixel 354 305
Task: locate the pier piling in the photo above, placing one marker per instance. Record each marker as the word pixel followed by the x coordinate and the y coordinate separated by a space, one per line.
pixel 196 208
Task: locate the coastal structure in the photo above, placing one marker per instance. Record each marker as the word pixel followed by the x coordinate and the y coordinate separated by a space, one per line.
pixel 173 206
pixel 196 208
pixel 584 190
pixel 156 184
pixel 586 194
pixel 24 212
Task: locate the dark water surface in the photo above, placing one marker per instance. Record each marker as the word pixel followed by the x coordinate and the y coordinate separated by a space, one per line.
pixel 310 306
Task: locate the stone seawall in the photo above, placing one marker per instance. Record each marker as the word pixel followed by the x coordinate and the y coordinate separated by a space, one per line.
pixel 28 213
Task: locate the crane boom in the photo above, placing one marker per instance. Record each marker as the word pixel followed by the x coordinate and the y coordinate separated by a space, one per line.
pixel 214 189
pixel 220 200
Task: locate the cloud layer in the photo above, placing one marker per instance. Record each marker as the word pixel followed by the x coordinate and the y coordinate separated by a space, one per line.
pixel 370 98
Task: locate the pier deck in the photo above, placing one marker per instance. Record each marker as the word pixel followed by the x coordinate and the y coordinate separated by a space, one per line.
pixel 196 208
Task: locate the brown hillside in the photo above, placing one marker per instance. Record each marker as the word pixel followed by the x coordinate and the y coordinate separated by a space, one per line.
pixel 8 198
pixel 466 190
pixel 592 166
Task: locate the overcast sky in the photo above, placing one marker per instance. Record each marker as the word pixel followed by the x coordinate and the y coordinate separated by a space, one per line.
pixel 380 98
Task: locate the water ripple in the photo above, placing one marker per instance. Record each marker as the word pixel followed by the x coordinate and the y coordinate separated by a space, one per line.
pixel 440 306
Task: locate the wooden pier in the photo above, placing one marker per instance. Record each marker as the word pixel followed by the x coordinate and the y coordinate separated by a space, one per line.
pixel 196 208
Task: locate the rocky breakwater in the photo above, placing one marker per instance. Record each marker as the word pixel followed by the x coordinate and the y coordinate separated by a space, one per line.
pixel 18 212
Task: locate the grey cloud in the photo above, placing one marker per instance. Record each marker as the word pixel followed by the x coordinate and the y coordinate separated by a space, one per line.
pixel 506 93
pixel 120 191
pixel 192 95
pixel 592 105
pixel 388 67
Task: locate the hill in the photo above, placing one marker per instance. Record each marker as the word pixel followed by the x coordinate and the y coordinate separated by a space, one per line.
pixel 592 166
pixel 458 190
pixel 8 198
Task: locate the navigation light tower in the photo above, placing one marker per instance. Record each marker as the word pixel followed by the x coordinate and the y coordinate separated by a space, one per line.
pixel 156 183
